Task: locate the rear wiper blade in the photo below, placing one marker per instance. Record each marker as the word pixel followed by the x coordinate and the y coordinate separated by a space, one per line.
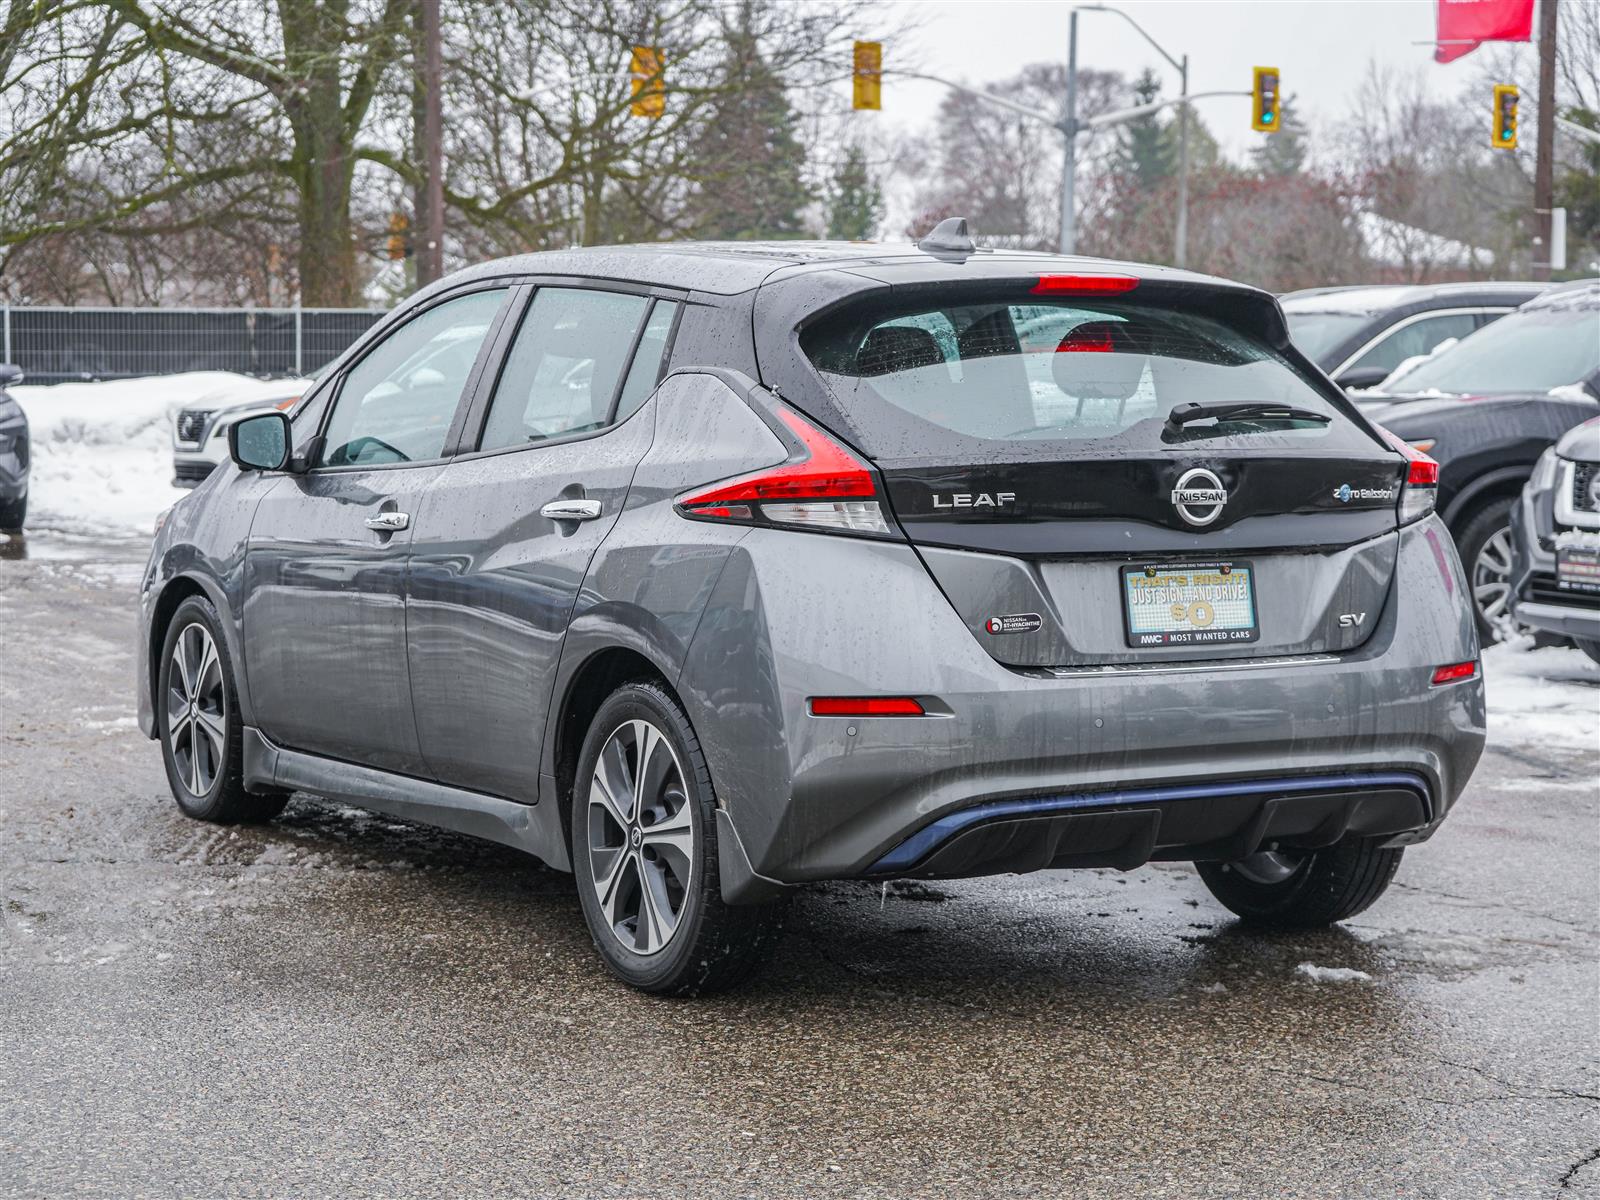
pixel 1185 414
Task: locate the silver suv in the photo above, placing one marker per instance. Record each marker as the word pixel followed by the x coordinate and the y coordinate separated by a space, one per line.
pixel 707 571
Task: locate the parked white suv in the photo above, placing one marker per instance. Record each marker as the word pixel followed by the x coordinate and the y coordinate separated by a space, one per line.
pixel 200 430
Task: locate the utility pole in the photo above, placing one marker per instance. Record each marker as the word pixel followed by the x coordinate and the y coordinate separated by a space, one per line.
pixel 430 215
pixel 1069 128
pixel 1544 154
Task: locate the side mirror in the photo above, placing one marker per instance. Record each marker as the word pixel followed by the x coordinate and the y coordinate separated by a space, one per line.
pixel 260 443
pixel 1362 377
pixel 10 373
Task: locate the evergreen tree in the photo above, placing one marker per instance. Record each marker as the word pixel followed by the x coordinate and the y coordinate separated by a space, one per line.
pixel 1283 154
pixel 1205 153
pixel 855 200
pixel 748 161
pixel 1147 153
pixel 1578 191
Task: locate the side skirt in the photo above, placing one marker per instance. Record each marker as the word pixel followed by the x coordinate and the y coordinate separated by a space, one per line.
pixel 534 828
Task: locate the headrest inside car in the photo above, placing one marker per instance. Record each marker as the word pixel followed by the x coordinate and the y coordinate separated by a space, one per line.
pixel 1099 360
pixel 891 348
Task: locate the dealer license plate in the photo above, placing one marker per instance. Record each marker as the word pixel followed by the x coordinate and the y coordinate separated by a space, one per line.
pixel 1578 570
pixel 1189 604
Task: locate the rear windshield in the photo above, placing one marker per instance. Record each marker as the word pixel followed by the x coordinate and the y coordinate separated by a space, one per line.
pixel 998 377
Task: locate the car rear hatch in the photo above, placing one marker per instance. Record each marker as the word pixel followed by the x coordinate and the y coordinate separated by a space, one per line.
pixel 1036 447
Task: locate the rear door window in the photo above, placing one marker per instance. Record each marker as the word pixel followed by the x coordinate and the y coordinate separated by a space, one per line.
pixel 645 372
pixel 1418 337
pixel 927 381
pixel 565 367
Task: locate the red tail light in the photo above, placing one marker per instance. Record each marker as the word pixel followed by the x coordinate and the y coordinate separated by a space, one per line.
pixel 828 489
pixel 1084 285
pixel 1455 672
pixel 865 706
pixel 1423 471
pixel 1420 490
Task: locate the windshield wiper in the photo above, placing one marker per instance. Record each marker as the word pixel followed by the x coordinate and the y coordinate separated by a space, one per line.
pixel 1186 414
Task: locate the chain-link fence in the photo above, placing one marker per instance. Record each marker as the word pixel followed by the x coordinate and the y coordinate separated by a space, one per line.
pixel 54 344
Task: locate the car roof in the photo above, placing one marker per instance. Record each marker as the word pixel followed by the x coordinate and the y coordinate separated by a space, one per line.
pixel 1579 294
pixel 728 268
pixel 1367 301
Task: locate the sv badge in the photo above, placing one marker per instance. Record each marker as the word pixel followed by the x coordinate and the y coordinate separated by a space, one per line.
pixel 1351 620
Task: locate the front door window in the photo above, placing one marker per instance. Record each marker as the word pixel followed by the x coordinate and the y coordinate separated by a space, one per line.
pixel 397 403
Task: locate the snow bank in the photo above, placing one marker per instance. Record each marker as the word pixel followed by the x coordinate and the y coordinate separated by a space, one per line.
pixel 1548 697
pixel 102 452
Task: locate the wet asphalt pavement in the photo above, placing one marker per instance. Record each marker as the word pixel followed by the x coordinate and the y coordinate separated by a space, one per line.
pixel 342 1004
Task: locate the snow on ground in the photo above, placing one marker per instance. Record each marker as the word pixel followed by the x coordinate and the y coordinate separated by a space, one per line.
pixel 1332 974
pixel 102 452
pixel 1547 697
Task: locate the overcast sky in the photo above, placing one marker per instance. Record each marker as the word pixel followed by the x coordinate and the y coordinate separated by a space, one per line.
pixel 1322 48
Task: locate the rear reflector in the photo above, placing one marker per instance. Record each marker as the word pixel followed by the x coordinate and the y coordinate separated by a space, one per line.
pixel 1455 672
pixel 865 706
pixel 828 489
pixel 1084 285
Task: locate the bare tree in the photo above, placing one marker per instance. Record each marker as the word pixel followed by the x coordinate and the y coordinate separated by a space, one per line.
pixel 1001 170
pixel 133 118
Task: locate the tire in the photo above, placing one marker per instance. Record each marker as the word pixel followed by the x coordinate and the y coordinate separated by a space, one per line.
pixel 1591 648
pixel 13 513
pixel 680 939
pixel 1304 889
pixel 206 778
pixel 1485 544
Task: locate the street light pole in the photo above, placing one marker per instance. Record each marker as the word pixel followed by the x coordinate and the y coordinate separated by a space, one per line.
pixel 1069 130
pixel 1181 250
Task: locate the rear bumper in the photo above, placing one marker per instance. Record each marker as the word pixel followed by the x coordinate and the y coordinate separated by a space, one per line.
pixel 1126 829
pixel 1057 767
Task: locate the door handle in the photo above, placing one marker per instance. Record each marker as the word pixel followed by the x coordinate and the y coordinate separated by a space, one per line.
pixel 389 522
pixel 571 510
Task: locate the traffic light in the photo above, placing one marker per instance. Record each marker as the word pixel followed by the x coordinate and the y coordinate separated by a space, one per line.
pixel 399 236
pixel 649 88
pixel 867 78
pixel 1503 133
pixel 1264 100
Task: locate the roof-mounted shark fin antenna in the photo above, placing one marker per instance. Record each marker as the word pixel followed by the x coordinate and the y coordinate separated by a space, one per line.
pixel 949 236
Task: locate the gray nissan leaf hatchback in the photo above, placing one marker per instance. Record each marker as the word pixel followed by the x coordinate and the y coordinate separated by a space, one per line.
pixel 707 571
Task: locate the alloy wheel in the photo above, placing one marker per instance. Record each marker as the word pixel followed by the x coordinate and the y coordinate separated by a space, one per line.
pixel 197 709
pixel 641 837
pixel 1491 582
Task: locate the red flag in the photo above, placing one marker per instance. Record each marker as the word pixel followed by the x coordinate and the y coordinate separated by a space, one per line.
pixel 1464 25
